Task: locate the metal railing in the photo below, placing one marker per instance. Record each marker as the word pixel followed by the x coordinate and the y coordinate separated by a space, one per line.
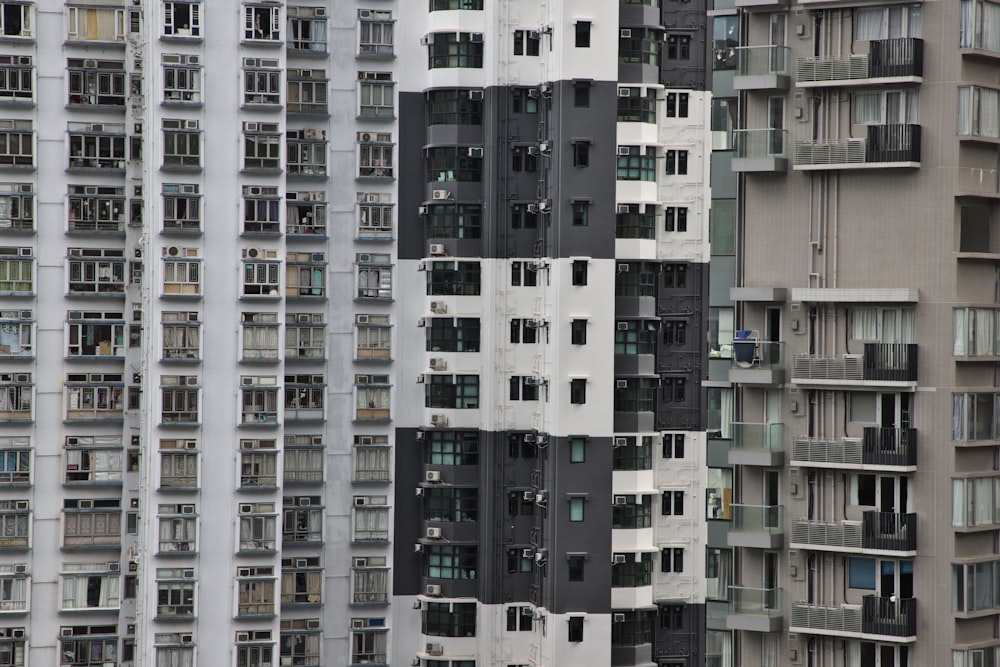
pixel 890 616
pixel 889 531
pixel 846 618
pixel 882 143
pixel 886 58
pixel 889 446
pixel 895 362
pixel 760 143
pixel 757 601
pixel 757 437
pixel 759 60
pixel 757 519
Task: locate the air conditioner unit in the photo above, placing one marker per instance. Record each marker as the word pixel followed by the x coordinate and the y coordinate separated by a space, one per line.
pixel 527 553
pixel 626 32
pixel 432 476
pixel 312 624
pixel 618 559
pixel 426 40
pixel 476 95
pixel 314 134
pixel 623 150
pixel 439 194
pixel 437 249
pixel 622 326
pixel 621 384
pixel 621 442
pixel 251 253
pixel 541 497
pixel 623 268
pixel 533 150
pixel 531 208
pixel 439 364
pixel 533 93
pixel 439 307
pixel 242 636
pixel 475 152
pixel 421 210
pixel 621 500
pixel 359 501
pixel 246 509
pixel 623 208
pixel 422 322
pixel 20 569
pixel 172 251
pixel 315 196
pixel 533 381
pixel 114 567
pixel 91 64
pixel 187 639
pixel 618 618
pixel 433 590
pixel 540 556
pixel 439 420
pixel 544 205
pixel 545 147
pixel 624 92
pixel 433 533
pixel 476 37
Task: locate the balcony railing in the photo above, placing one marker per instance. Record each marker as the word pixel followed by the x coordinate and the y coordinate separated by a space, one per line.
pixel 889 531
pixel 886 58
pixel 889 446
pixel 881 362
pixel 758 60
pixel 755 601
pixel 889 616
pixel 846 618
pixel 882 144
pixel 757 519
pixel 757 437
pixel 760 143
pixel 836 534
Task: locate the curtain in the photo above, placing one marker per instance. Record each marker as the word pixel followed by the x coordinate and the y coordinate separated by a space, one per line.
pixel 983 499
pixel 869 23
pixel 726 425
pixel 967 32
pixel 853 654
pixel 914 20
pixel 907 333
pixel 988 109
pixel 958 517
pixel 867 108
pixel 983 331
pixel 958 417
pixel 989 27
pixel 317 35
pixel 960 337
pixel 911 108
pixel 864 323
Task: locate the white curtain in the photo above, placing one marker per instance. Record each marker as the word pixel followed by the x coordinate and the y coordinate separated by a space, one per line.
pixel 988 111
pixel 983 499
pixel 726 421
pixel 907 333
pixel 869 23
pixel 958 417
pixel 958 517
pixel 983 331
pixel 966 111
pixel 967 32
pixel 864 323
pixel 915 26
pixel 989 26
pixel 853 654
pixel 867 108
pixel 174 657
pixel 371 522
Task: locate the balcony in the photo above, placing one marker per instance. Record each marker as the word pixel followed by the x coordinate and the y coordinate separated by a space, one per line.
pixel 754 609
pixel 885 618
pixel 757 362
pixel 841 621
pixel 761 4
pixel 877 533
pixel 881 448
pixel 884 146
pixel 889 616
pixel 891 365
pixel 756 526
pixel 888 61
pixel 760 151
pixel 762 68
pixel 757 444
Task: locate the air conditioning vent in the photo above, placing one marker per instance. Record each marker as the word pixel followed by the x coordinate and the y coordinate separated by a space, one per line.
pixel 433 533
pixel 437 249
pixel 432 590
pixel 439 307
pixel 439 420
pixel 440 194
pixel 432 476
pixel 439 364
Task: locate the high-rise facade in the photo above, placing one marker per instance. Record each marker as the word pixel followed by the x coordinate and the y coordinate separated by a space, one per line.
pixel 364 333
pixel 863 517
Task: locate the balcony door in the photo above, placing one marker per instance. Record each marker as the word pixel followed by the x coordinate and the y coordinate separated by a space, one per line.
pixel 893 494
pixel 895 410
pixel 895 578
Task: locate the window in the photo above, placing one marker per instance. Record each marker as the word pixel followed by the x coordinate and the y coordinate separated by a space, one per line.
pixel 261 147
pixel 258 528
pixel 369 641
pixel 376 95
pixel 452 391
pixel 451 448
pixel 259 400
pixel 454 221
pixel 374 276
pixel 524 387
pixel 258 464
pixel 179 399
pixel 181 207
pixel 636 105
pixel 453 164
pixel 16 144
pixel 633 453
pixel 581 94
pixel 677 105
pixel 181 79
pixel 15 460
pixel 675 276
pixel 178 464
pixel 577 449
pixel 640 46
pixel 576 508
pixel 254 649
pixel 95 334
pixel 446 334
pixel 581 213
pixel 636 163
pixel 678 47
pixel 88 24
pixel 574 629
pixel 375 155
pixel 976 332
pixel 302 520
pixel 93 460
pixel 580 271
pixel 181 336
pixel 13 599
pixel 182 19
pixel 17 207
pixel 261 212
pixel 304 397
pixel 16 73
pixel 524 100
pixel 455 107
pixel 255 595
pixel 260 336
pixel 371 519
pixel 447 619
pixel 86 524
pixel 578 391
pixel 726 39
pixel 307 92
pixel 673 389
pixel 449 49
pixel 631 570
pixel 677 162
pixel 524 215
pixel 91 396
pixel 369 580
pixel 178 529
pixel 526 42
pixel 305 336
pixel 675 218
pixel 578 332
pixel 575 567
pixel 88 645
pixel 371 458
pixel 181 144
pixel 373 395
pixel 454 278
pixel 15 21
pixel 672 503
pixel 583 34
pixel 635 337
pixel 635 221
pixel 94 208
pixel 719 493
pixel 635 629
pixel 891 22
pixel 441 5
pixel 262 23
pixel 524 159
pixel 520 619
pixel 635 394
pixel 450 561
pixel 96 82
pixel 673 446
pixel 631 512
pixel 530 274
pixel 301 582
pixel 16 393
pixel 305 275
pixel 375 216
pixel 451 505
pixel 306 32
pixel 261 82
pixel 718 573
pixel 304 215
pixel 261 278
pixel 181 277
pixel 173 598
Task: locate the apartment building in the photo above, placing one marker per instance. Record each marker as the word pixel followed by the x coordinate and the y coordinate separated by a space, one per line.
pixel 863 518
pixel 363 333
